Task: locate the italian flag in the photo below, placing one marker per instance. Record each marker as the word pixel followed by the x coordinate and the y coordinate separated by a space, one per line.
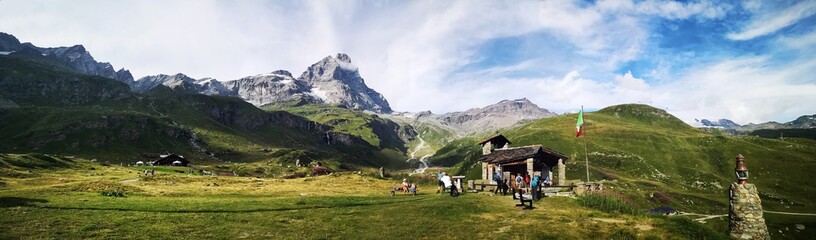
pixel 579 126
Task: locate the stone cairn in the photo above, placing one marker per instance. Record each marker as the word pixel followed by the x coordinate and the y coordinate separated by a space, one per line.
pixel 745 211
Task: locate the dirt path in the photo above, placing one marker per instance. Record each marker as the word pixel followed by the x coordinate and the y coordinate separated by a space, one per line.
pixel 423 162
pixel 703 217
pixel 129 180
pixel 791 213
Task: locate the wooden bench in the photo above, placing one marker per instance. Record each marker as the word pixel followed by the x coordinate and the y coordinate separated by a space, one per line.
pixel 523 200
pixel 483 185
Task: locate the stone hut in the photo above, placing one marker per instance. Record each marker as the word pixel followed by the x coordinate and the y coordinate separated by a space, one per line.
pixel 171 160
pixel 533 160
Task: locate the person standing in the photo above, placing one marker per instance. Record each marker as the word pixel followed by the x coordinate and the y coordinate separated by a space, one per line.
pixel 535 186
pixel 519 184
pixel 439 181
pixel 499 181
pixel 527 181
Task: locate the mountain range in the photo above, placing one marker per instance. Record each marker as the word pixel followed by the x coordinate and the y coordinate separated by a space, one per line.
pixel 332 80
pixel 802 122
pixel 75 58
pixel 505 113
pixel 330 97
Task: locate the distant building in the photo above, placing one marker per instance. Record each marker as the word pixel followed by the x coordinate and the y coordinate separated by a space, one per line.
pixel 171 160
pixel 497 155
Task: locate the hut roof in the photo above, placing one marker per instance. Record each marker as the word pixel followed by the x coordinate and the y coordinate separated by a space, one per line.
pixel 501 156
pixel 497 139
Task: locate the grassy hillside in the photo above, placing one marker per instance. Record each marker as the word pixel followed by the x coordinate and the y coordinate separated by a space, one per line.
pixel 371 128
pixel 29 82
pixel 809 133
pixel 389 139
pixel 48 109
pixel 645 151
pixel 434 136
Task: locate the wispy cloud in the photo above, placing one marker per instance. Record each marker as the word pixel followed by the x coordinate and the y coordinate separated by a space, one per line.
pixel 772 21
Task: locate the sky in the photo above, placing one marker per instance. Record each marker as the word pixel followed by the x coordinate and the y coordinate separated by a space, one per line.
pixel 748 61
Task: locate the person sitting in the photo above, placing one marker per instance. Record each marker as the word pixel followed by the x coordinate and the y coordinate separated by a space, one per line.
pixel 547 181
pixel 448 184
pixel 405 185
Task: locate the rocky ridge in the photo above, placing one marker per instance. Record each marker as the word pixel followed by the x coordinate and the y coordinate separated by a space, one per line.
pixel 76 58
pixel 332 80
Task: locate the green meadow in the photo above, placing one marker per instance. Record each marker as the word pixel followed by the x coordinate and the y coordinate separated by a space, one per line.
pixel 44 196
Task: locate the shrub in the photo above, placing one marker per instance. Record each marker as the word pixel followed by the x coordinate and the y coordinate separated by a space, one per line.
pixel 319 170
pixel 661 197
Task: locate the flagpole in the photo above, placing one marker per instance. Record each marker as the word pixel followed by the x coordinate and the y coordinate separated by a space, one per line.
pixel 586 154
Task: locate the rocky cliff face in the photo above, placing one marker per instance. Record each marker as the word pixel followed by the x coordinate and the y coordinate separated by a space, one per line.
pixel 275 87
pixel 180 83
pixel 336 80
pixel 75 58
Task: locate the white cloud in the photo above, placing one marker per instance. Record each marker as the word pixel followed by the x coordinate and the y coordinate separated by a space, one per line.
pixel 744 90
pixel 772 21
pixel 678 10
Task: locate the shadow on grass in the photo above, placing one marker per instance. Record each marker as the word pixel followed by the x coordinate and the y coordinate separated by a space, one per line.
pixel 7 202
pixel 292 208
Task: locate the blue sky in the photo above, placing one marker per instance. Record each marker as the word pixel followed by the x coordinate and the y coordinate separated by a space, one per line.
pixel 749 61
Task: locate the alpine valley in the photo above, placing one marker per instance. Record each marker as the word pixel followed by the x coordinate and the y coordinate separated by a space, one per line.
pixel 60 103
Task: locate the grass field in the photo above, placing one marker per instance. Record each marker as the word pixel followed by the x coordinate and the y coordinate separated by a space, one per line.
pixel 63 198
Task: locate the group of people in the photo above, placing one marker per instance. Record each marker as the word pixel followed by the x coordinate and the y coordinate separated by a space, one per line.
pixel 405 187
pixel 152 172
pixel 520 182
pixel 445 182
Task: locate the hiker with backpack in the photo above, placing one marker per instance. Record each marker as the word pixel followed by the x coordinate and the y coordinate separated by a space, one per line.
pixel 535 187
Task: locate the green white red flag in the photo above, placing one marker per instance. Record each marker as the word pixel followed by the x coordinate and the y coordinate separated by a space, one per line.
pixel 579 126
